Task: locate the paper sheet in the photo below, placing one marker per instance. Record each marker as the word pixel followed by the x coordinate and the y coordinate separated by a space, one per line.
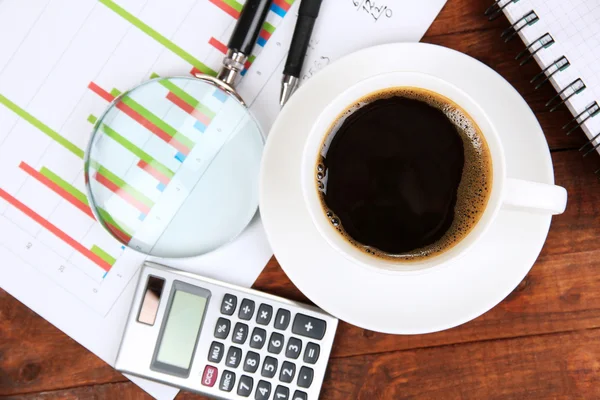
pixel 56 59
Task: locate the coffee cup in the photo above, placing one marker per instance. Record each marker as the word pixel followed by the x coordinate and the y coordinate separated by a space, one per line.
pixel 505 192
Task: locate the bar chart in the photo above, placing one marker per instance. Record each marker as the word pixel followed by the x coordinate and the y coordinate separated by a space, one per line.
pixel 45 215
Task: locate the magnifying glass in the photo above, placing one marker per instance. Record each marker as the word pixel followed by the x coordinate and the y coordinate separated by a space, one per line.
pixel 172 166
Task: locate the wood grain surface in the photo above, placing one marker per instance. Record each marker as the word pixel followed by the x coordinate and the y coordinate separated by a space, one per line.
pixel 541 342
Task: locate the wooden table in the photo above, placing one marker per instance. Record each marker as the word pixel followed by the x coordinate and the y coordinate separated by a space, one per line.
pixel 541 342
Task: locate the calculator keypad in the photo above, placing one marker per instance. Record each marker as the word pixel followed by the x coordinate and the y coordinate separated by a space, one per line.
pixel 277 332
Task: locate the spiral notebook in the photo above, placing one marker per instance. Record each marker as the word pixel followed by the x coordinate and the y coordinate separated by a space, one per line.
pixel 563 36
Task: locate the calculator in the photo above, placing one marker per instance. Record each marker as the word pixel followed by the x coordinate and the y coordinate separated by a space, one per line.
pixel 225 341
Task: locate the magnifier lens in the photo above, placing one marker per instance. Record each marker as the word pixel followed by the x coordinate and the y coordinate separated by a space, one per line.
pixel 173 166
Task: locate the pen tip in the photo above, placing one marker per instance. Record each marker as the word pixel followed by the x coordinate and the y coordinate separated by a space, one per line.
pixel 288 85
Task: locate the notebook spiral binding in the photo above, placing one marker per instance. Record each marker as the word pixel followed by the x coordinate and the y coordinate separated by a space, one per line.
pixel 546 40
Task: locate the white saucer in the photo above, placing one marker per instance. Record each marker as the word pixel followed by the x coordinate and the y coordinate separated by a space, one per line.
pixel 401 304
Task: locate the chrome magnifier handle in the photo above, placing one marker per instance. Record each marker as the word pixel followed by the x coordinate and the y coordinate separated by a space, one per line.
pixel 243 39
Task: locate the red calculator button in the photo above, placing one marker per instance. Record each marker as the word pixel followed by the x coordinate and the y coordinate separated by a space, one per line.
pixel 209 377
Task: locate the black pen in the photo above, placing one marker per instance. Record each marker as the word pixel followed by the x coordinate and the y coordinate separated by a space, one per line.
pixel 307 15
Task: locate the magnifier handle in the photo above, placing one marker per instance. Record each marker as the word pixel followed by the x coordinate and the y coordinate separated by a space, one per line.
pixel 248 26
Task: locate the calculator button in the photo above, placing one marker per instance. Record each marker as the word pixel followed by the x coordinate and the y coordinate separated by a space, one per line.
pixel 299 395
pixel 251 362
pixel 215 354
pixel 240 333
pixel 311 354
pixel 287 372
pixel 259 336
pixel 305 377
pixel 282 319
pixel 222 328
pixel 263 390
pixel 246 309
pixel 209 377
pixel 227 381
pixel 275 343
pixel 233 357
pixel 269 367
pixel 308 326
pixel 245 386
pixel 293 348
pixel 228 304
pixel 281 393
pixel 265 312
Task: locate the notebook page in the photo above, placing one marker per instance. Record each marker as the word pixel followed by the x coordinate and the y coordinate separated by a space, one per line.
pixel 575 27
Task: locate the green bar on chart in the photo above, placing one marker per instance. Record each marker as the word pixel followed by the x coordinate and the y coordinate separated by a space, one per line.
pixel 141 154
pixel 168 129
pixel 107 218
pixel 66 186
pixel 268 27
pixel 92 119
pixel 234 4
pixel 57 137
pixel 103 255
pixel 115 92
pixel 158 37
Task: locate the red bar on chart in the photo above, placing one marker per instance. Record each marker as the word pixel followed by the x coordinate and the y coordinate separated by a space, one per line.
pixel 222 47
pixel 140 119
pixel 227 6
pixel 57 189
pixel 188 108
pixel 162 178
pixel 55 231
pixel 122 193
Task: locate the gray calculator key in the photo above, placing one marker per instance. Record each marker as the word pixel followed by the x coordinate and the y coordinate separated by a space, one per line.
pixel 246 309
pixel 282 319
pixel 234 355
pixel 299 395
pixel 263 390
pixel 222 328
pixel 293 348
pixel 275 343
pixel 287 372
pixel 311 354
pixel 240 333
pixel 251 362
pixel 245 386
pixel 258 338
pixel 215 354
pixel 269 367
pixel 305 377
pixel 281 393
pixel 308 326
pixel 228 304
pixel 227 381
pixel 264 315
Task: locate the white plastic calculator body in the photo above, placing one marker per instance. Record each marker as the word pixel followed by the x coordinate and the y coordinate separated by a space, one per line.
pixel 222 340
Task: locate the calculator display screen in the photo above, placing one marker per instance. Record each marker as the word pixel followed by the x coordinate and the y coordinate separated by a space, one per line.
pixel 181 329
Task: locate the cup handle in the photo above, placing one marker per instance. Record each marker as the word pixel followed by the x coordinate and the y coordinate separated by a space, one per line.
pixel 535 196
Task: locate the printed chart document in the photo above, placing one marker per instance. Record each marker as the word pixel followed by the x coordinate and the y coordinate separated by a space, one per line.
pixel 61 62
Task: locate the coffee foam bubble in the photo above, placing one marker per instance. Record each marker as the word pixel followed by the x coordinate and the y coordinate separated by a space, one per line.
pixel 474 188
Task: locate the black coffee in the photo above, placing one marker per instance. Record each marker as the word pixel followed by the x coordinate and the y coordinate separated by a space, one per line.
pixel 406 174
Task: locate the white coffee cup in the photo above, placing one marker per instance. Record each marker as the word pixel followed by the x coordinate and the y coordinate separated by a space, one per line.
pixel 506 192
